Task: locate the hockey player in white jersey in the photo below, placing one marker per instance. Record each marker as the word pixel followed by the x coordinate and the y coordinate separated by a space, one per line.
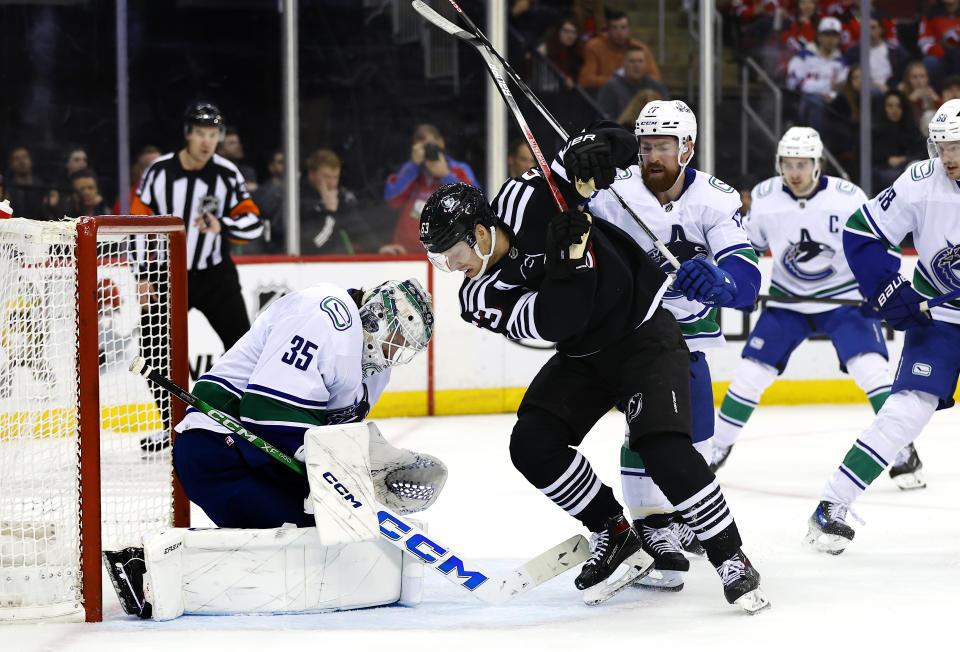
pixel 924 201
pixel 798 216
pixel 311 367
pixel 697 217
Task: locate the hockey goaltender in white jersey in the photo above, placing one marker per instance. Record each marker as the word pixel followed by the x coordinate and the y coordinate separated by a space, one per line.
pixel 351 559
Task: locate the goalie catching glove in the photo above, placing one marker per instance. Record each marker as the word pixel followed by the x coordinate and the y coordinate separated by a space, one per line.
pixel 404 481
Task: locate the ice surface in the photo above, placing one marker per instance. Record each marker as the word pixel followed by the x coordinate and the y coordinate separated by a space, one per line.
pixel 898 585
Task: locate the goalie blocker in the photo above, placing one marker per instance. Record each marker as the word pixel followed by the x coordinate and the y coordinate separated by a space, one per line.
pixel 343 563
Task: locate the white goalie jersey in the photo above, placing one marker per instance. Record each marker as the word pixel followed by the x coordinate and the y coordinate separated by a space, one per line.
pixel 704 222
pixel 805 239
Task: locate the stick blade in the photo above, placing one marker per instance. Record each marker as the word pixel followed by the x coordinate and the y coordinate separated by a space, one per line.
pixel 138 365
pixel 432 16
pixel 559 559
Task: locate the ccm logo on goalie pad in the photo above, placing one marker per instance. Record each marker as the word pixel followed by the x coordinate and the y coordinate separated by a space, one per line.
pixel 430 552
pixel 340 489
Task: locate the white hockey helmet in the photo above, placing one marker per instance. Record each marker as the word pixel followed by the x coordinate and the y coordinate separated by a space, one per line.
pixel 397 319
pixel 801 142
pixel 944 126
pixel 668 118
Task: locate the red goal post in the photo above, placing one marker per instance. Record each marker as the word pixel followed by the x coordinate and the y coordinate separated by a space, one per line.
pixel 78 299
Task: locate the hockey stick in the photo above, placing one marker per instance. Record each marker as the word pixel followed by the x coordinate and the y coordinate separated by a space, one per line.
pixel 477 39
pixel 791 299
pixel 925 306
pixel 407 536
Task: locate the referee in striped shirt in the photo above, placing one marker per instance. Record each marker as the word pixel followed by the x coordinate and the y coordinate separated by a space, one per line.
pixel 208 192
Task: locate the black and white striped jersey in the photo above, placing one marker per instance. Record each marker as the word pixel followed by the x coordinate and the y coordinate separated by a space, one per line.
pixel 582 313
pixel 167 189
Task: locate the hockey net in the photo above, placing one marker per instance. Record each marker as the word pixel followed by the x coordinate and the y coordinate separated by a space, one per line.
pixel 85 447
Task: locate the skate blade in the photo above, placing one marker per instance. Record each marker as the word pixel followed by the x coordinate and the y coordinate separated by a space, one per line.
pixel 633 567
pixel 753 601
pixel 909 481
pixel 832 544
pixel 661 580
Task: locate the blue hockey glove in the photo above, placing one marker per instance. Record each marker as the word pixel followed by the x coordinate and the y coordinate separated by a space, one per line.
pixel 700 281
pixel 899 304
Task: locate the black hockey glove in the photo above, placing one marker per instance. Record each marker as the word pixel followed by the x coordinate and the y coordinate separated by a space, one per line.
pixel 568 237
pixel 589 163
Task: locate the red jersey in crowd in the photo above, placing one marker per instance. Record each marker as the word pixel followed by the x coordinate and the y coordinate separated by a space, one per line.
pixel 408 190
pixel 937 31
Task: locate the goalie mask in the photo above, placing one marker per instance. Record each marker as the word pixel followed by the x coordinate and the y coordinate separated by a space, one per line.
pixel 800 142
pixel 447 224
pixel 397 319
pixel 668 118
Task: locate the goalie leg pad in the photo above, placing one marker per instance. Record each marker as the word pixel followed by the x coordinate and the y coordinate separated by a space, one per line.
pixel 341 488
pixel 285 570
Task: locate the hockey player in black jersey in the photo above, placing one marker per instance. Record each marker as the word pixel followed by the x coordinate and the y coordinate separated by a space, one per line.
pixel 534 272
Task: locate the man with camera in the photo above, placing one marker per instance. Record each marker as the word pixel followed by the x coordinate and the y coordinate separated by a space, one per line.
pixel 407 189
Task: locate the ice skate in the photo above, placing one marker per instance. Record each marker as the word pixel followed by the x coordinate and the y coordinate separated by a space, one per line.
pixel 126 569
pixel 907 469
pixel 741 584
pixel 688 538
pixel 660 542
pixel 828 530
pixel 618 559
pixel 720 455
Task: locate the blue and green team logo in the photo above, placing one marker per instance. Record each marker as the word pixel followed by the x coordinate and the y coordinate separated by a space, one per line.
pixel 720 185
pixel 921 170
pixel 624 174
pixel 338 312
pixel 764 188
pixel 846 187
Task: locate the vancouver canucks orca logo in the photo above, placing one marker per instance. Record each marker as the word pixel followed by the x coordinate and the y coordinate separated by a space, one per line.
pixel 946 265
pixel 797 256
pixel 680 247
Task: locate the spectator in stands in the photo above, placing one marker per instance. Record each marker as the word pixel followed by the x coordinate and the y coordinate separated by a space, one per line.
pixel 330 220
pixel 76 160
pixel 603 55
pixel 896 140
pixel 86 199
pixel 519 157
pixel 531 18
pixel 850 34
pixel 938 40
pixel 231 148
pixel 628 117
pixel 817 73
pixel 147 155
pixel 887 60
pixel 407 189
pixel 951 88
pixel 564 48
pixel 800 30
pixel 751 23
pixel 29 195
pixel 269 196
pixel 744 185
pixel 590 17
pixel 842 133
pixel 923 100
pixel 617 92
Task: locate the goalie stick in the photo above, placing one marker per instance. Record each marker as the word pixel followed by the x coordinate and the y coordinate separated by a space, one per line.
pixel 477 39
pixel 405 535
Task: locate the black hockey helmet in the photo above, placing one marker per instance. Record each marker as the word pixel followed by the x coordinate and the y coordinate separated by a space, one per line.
pixel 203 114
pixel 450 215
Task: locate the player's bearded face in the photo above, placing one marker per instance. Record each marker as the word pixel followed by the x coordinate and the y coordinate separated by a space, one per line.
pixel 660 167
